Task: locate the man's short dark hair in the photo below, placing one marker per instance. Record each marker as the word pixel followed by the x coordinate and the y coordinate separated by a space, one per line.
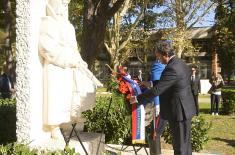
pixel 194 66
pixel 164 47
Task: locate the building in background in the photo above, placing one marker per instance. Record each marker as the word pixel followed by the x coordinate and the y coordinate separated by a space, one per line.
pixel 205 59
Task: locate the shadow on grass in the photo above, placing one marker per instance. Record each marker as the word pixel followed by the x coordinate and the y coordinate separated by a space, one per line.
pixel 208 111
pixel 229 142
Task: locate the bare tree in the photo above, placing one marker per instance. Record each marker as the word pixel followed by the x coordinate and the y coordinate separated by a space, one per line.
pixel 183 15
pixel 117 40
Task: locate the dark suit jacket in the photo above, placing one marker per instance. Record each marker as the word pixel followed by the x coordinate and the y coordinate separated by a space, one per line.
pixel 174 89
pixel 195 85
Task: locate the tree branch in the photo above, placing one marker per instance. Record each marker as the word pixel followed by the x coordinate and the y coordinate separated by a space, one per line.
pixel 108 49
pixel 132 28
pixel 200 17
pixel 138 57
pixel 96 7
pixel 194 12
pixel 126 5
pixel 115 8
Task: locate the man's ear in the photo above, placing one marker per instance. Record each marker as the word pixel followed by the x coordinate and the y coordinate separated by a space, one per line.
pixel 165 54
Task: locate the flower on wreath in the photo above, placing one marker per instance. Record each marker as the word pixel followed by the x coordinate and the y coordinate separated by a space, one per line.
pixel 120 84
pixel 123 88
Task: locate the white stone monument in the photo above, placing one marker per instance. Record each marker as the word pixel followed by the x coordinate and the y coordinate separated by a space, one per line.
pixel 29 82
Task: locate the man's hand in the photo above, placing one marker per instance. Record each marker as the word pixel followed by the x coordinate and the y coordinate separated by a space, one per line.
pixel 147 84
pixel 133 99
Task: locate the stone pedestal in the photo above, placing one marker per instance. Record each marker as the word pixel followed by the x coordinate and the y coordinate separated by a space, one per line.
pixel 90 142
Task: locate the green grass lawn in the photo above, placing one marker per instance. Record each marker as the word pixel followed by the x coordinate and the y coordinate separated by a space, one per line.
pixel 222 132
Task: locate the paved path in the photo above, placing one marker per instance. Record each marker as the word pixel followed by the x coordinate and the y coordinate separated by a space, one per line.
pixel 116 150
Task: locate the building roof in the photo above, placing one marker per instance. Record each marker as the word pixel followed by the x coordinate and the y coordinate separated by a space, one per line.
pixel 192 33
pixel 200 33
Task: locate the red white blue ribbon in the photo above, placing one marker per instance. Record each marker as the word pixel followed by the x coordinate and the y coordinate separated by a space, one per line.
pixel 138 114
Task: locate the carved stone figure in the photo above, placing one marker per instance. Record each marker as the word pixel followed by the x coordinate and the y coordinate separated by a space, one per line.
pixel 69 86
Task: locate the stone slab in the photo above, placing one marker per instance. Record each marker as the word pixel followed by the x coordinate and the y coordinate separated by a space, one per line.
pixel 90 142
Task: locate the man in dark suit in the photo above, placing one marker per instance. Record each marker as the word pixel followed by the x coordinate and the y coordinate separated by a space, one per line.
pixel 6 86
pixel 175 93
pixel 196 87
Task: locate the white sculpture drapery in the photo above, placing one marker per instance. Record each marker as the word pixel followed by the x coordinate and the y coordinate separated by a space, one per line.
pixel 69 86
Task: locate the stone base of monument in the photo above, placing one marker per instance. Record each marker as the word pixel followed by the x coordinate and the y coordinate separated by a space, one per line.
pixel 89 140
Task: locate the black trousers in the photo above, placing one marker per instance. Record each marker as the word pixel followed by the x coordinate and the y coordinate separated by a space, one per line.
pixel 181 133
pixel 195 97
pixel 215 100
pixel 155 144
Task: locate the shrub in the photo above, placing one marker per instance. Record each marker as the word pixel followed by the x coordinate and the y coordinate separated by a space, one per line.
pixel 199 133
pixel 7 120
pixel 118 123
pixel 17 149
pixel 228 104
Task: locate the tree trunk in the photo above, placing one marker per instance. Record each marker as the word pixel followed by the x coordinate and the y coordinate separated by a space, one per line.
pixel 95 16
pixel 92 39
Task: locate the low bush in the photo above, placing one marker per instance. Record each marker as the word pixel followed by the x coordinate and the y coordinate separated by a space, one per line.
pixel 116 124
pixel 228 103
pixel 23 149
pixel 199 133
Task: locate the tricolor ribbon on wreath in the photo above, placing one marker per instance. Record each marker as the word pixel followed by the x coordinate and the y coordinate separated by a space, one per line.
pixel 130 87
pixel 138 112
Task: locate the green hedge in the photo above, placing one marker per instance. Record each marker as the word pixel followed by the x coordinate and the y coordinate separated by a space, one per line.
pixel 23 149
pixel 228 101
pixel 118 123
pixel 8 134
pixel 7 121
pixel 199 133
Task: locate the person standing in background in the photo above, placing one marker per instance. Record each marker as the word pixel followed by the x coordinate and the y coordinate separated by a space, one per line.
pixel 196 87
pixel 159 123
pixel 140 75
pixel 6 85
pixel 217 83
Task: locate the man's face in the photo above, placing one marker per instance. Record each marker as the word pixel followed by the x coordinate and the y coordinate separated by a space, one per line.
pixel 164 59
pixel 193 71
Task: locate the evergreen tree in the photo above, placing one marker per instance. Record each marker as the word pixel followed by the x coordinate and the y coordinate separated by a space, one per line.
pixel 225 36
